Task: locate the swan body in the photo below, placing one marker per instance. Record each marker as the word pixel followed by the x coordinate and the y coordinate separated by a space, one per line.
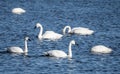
pixel 60 53
pixel 15 49
pixel 55 53
pixel 78 30
pixel 51 35
pixel 101 49
pixel 18 10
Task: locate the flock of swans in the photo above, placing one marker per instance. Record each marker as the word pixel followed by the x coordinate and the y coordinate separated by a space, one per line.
pixel 51 35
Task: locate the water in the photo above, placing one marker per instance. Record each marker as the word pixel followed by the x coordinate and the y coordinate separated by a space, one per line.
pixel 102 16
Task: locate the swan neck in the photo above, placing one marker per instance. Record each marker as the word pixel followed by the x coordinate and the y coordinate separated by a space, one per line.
pixel 41 31
pixel 70 51
pixel 26 48
pixel 67 27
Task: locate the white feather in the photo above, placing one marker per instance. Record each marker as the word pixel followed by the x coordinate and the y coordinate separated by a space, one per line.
pixel 101 49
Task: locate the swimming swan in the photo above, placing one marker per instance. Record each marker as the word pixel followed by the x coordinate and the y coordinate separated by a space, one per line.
pixel 51 35
pixel 78 30
pixel 101 49
pixel 15 49
pixel 18 10
pixel 60 53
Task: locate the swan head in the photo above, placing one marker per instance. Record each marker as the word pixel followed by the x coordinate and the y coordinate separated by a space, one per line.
pixel 38 25
pixel 27 38
pixel 73 42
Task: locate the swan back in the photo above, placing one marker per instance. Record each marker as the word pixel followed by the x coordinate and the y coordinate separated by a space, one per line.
pixel 51 35
pixel 18 10
pixel 101 49
pixel 56 53
pixel 82 31
pixel 14 50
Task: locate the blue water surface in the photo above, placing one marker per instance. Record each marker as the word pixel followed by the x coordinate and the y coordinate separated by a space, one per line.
pixel 102 16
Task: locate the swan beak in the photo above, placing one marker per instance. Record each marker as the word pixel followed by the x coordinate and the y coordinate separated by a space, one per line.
pixel 36 36
pixel 29 39
pixel 35 27
pixel 76 44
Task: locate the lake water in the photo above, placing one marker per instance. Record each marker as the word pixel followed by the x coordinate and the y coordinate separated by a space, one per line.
pixel 102 16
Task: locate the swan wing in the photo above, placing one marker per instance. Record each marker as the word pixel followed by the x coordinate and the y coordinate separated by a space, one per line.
pixel 57 36
pixel 101 49
pixel 56 53
pixel 15 50
pixel 51 35
pixel 18 10
pixel 82 31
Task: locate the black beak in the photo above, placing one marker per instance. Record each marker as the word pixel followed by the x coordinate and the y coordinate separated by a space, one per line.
pixel 29 39
pixel 36 36
pixel 35 27
pixel 76 44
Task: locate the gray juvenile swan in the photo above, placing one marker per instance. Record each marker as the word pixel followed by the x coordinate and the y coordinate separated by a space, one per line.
pixel 60 53
pixel 78 30
pixel 15 49
pixel 51 35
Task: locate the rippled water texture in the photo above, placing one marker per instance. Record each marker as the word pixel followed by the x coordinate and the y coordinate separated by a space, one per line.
pixel 102 16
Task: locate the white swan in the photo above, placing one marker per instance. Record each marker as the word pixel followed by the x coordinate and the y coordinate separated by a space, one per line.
pixel 18 10
pixel 101 49
pixel 15 49
pixel 78 30
pixel 51 35
pixel 60 53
